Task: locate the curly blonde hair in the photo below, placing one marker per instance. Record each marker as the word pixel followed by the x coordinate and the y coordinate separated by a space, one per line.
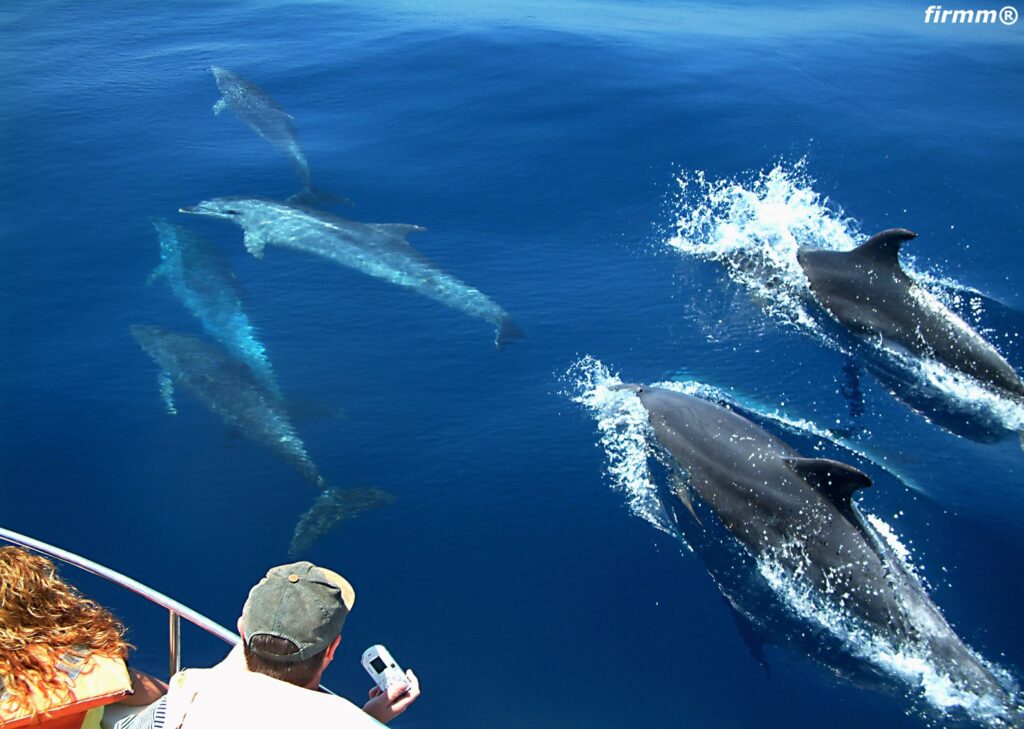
pixel 42 618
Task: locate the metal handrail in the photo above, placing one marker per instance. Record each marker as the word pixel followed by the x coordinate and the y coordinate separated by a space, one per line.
pixel 175 609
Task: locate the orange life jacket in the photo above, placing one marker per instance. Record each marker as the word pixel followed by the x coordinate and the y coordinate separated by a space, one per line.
pixel 95 682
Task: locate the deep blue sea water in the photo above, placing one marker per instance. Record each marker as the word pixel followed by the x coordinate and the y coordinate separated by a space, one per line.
pixel 541 145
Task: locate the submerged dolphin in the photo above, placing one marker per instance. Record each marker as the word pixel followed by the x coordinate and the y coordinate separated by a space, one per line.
pixel 202 281
pixel 230 389
pixel 377 249
pixel 255 107
pixel 796 513
pixel 870 294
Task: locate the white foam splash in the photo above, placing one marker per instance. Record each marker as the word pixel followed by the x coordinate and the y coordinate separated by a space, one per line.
pixel 909 662
pixel 965 300
pixel 970 393
pixel 952 382
pixel 897 547
pixel 622 423
pixel 754 228
pixel 626 437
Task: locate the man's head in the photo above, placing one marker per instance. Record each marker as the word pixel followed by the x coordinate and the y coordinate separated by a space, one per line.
pixel 291 623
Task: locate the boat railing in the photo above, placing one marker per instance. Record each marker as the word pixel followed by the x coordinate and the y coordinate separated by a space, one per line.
pixel 175 610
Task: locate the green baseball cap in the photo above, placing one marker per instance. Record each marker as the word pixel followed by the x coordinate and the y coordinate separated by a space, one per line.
pixel 301 603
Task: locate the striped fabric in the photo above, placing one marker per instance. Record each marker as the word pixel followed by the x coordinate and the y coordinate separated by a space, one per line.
pixel 152 717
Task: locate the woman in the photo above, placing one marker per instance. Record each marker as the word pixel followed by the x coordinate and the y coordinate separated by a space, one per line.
pixel 61 654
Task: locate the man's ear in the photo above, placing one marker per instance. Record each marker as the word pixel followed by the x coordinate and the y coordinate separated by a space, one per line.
pixel 329 656
pixel 240 631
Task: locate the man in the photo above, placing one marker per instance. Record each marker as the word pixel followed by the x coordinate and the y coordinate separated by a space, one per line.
pixel 290 629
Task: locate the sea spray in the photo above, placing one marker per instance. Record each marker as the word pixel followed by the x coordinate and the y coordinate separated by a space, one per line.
pixel 629 445
pixel 754 225
pixel 622 424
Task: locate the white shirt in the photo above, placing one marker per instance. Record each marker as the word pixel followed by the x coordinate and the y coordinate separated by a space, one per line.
pixel 228 695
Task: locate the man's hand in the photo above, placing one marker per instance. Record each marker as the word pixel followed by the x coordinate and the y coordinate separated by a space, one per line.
pixel 386 706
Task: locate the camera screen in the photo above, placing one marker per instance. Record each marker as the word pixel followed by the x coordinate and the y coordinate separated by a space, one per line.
pixel 378 665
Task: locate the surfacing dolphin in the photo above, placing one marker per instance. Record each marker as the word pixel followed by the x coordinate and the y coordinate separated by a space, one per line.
pixel 870 294
pixel 376 249
pixel 202 281
pixel 229 388
pixel 795 514
pixel 255 107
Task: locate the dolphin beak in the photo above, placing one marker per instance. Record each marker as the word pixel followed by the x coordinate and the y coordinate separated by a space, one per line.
pixel 634 388
pixel 189 209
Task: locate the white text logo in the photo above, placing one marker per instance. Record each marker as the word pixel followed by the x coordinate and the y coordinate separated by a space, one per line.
pixel 938 14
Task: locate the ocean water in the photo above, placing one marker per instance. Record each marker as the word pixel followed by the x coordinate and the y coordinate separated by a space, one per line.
pixel 629 181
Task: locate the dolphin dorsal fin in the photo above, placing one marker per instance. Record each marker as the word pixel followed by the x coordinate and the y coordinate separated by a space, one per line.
pixel 834 480
pixel 884 247
pixel 398 229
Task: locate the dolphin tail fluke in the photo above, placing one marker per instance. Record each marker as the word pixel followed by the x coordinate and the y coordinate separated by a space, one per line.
pixel 312 196
pixel 507 332
pixel 333 506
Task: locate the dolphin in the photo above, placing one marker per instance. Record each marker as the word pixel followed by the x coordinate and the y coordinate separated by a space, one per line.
pixel 255 107
pixel 376 249
pixel 796 513
pixel 202 281
pixel 870 294
pixel 229 388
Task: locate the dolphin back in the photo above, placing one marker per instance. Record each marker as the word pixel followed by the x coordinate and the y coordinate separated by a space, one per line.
pixel 867 291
